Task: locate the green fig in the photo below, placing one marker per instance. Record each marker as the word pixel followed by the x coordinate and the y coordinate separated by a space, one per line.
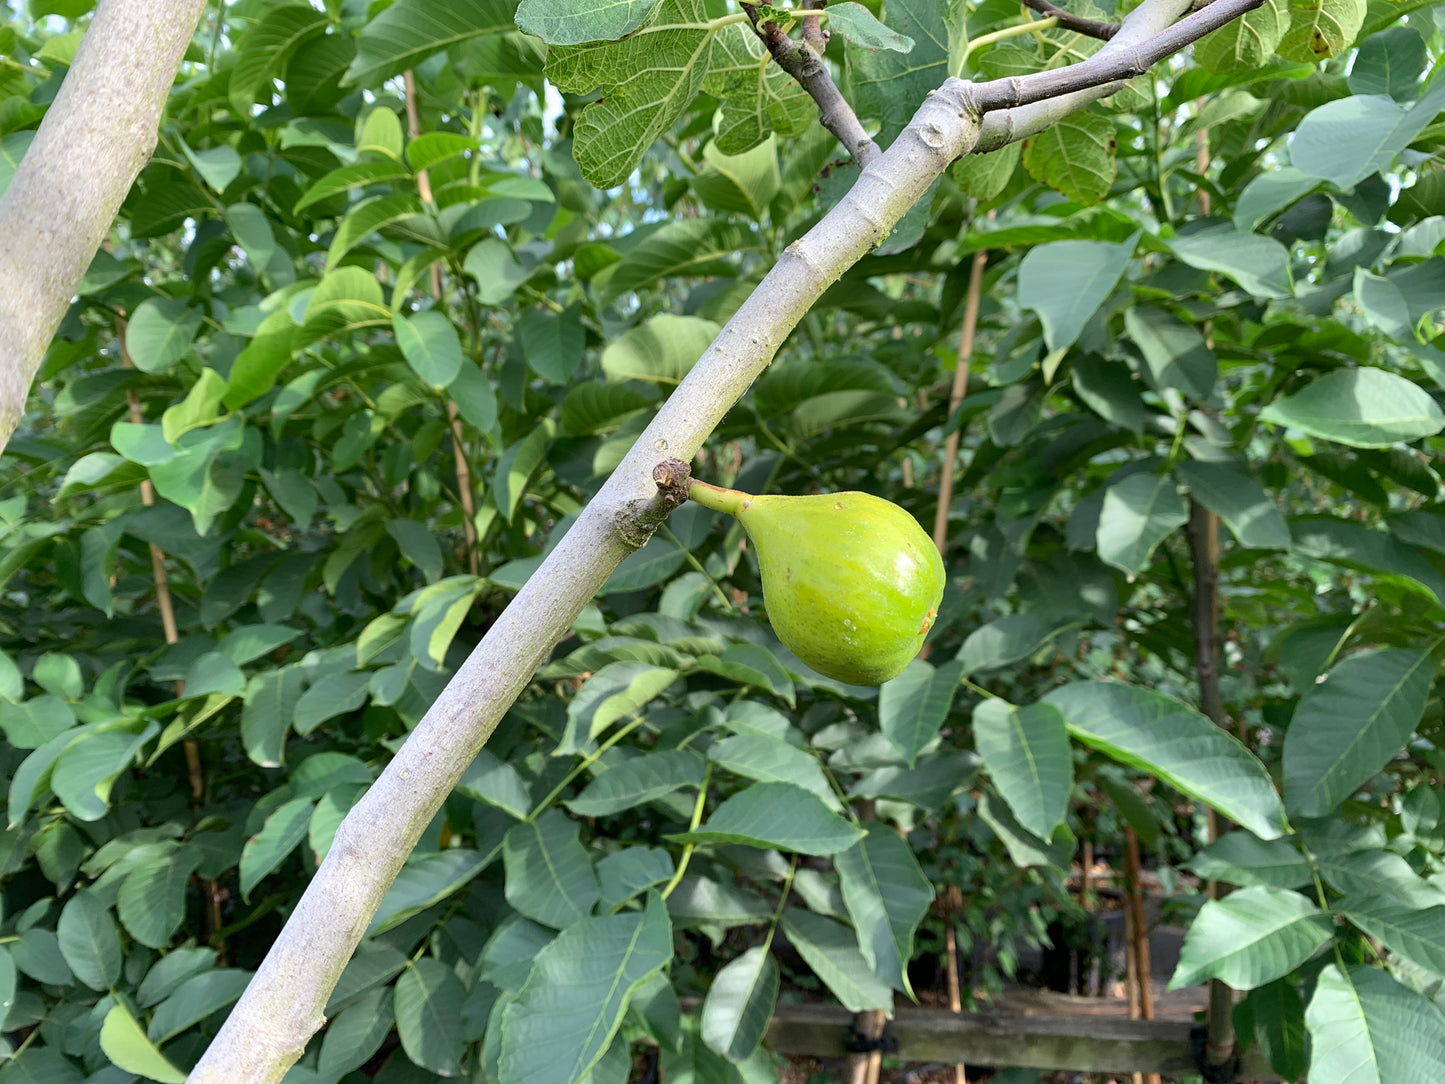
pixel 851 582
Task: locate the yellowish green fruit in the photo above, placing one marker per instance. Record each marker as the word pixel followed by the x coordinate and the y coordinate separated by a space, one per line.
pixel 851 582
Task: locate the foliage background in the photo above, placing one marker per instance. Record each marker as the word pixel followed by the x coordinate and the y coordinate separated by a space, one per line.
pixel 273 485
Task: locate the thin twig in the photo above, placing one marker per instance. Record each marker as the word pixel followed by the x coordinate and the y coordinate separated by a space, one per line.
pixel 805 63
pixel 1093 28
pixel 955 399
pixel 454 422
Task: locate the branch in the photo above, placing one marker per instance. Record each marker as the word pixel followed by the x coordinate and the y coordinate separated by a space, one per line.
pixel 1146 24
pixel 283 1006
pixel 96 136
pixel 805 63
pixel 1092 28
pixel 1108 65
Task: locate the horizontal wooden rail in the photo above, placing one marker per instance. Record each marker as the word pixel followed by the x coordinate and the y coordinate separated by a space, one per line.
pixel 1086 1043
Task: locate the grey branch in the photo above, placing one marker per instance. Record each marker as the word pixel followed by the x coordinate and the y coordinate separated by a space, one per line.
pixel 1092 28
pixel 804 62
pixel 283 1006
pixel 96 136
pixel 1107 66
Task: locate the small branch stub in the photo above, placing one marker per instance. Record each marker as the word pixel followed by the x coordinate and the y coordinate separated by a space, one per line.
pixel 637 523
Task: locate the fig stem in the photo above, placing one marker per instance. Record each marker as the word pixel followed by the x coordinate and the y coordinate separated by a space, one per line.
pixel 731 501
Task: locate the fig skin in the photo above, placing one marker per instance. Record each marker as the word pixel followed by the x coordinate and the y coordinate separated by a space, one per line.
pixel 851 582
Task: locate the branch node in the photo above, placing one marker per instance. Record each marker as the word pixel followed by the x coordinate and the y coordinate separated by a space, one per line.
pixel 637 521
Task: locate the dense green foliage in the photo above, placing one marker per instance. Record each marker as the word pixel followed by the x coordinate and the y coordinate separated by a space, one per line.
pixel 1216 289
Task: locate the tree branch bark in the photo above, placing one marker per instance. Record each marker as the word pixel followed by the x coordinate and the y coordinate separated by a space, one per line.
pixel 803 60
pixel 1092 28
pixel 283 1006
pixel 98 133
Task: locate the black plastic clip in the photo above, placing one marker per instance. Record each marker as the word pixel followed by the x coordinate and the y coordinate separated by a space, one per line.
pixel 1226 1073
pixel 858 1043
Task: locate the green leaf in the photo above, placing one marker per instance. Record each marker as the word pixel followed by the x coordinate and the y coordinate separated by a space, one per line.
pixel 1148 730
pixel 1244 44
pixel 279 836
pixel 1365 1028
pixel 430 345
pixel 31 723
pixel 1389 63
pixel 1361 408
pixel 85 772
pixel 515 467
pixel 1026 751
pixel 549 877
pixel 691 246
pixel 758 97
pixel 1005 640
pixel 255 369
pixel 913 706
pixel 780 815
pixel 1251 937
pixel 770 760
pixel 152 900
pixel 1074 155
pixel 1259 264
pixel 562 22
pixel 552 342
pixel 631 871
pixel 1274 1014
pixel 1066 281
pixel 831 949
pixel 160 332
pixel 270 704
pixel 264 49
pixel 356 1033
pixel 647 80
pixel 356 175
pixel 429 999
pixel 1238 500
pixel 125 1044
pixel 411 30
pixel 474 396
pixel 1417 935
pixel 418 545
pixel 367 218
pixel 218 166
pixel 890 85
pixel 595 407
pixel 1347 727
pixel 195 999
pixel 742 183
pixel 428 149
pixel 89 942
pixel 1175 354
pixel 639 780
pixel 565 1017
pixel 1139 512
pixel 1320 28
pixel 887 895
pixel 214 672
pixel 332 695
pixel 424 882
pixel 739 1004
pixel 1242 858
pixel 1108 389
pixel 614 692
pixel 860 27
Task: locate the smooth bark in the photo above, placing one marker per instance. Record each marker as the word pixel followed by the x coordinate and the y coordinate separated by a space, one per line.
pixel 96 136
pixel 283 1007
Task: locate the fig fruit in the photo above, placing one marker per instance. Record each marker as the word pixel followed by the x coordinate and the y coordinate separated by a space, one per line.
pixel 851 582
